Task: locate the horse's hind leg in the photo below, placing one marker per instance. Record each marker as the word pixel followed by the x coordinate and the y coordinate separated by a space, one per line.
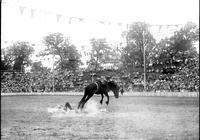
pixel 88 97
pixel 82 100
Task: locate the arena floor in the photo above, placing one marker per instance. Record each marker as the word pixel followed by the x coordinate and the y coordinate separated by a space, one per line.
pixel 139 118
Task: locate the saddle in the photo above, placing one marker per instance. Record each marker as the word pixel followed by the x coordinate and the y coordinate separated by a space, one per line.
pixel 100 84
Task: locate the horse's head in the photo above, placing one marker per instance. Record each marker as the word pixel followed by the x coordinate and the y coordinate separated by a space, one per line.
pixel 114 87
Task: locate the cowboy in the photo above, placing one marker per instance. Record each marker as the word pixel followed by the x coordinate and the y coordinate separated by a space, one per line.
pixel 67 106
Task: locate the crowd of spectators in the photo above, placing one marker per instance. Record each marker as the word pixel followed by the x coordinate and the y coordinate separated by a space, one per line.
pixel 185 80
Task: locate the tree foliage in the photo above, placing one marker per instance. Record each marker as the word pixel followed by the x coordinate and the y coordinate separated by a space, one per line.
pixel 18 56
pixel 6 62
pixel 59 46
pixel 170 55
pixel 138 37
pixel 101 54
pixel 38 67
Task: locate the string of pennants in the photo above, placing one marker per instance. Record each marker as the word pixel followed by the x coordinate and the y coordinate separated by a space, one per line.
pixel 58 17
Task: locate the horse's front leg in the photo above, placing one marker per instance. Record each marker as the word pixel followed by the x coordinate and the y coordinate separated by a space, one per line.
pixel 107 98
pixel 101 101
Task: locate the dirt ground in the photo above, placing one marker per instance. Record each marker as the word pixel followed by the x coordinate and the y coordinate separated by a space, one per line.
pixel 134 118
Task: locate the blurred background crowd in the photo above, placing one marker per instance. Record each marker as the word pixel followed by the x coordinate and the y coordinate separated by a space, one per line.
pixel 76 81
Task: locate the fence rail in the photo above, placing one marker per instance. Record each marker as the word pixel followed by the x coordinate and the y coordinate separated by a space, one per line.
pixel 141 94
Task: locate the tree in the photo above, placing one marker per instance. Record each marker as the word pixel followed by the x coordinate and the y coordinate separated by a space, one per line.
pixel 138 37
pixel 172 54
pixel 101 54
pixel 19 55
pixel 6 62
pixel 58 45
pixel 38 67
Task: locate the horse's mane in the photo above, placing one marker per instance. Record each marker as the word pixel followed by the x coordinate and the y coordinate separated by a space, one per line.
pixel 98 81
pixel 112 84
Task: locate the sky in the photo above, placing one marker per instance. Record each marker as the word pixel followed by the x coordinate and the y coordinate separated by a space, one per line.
pixel 81 20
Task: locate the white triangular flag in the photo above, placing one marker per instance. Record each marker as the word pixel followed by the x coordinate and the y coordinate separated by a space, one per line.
pixel 22 8
pixel 168 26
pixel 58 16
pixel 160 26
pixel 33 12
pixel 70 20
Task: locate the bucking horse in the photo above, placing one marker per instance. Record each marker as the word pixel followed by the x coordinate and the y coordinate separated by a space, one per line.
pixel 101 88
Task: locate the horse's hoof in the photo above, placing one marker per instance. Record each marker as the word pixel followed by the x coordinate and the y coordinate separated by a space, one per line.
pixel 107 103
pixel 101 102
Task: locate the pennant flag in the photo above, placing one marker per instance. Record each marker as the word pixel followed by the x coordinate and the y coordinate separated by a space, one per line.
pixel 117 48
pixel 101 22
pixel 58 16
pixel 33 12
pixel 82 47
pixel 178 26
pixel 127 26
pixel 22 8
pixel 70 20
pixel 168 26
pixel 160 26
pixel 80 19
pixel 120 24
